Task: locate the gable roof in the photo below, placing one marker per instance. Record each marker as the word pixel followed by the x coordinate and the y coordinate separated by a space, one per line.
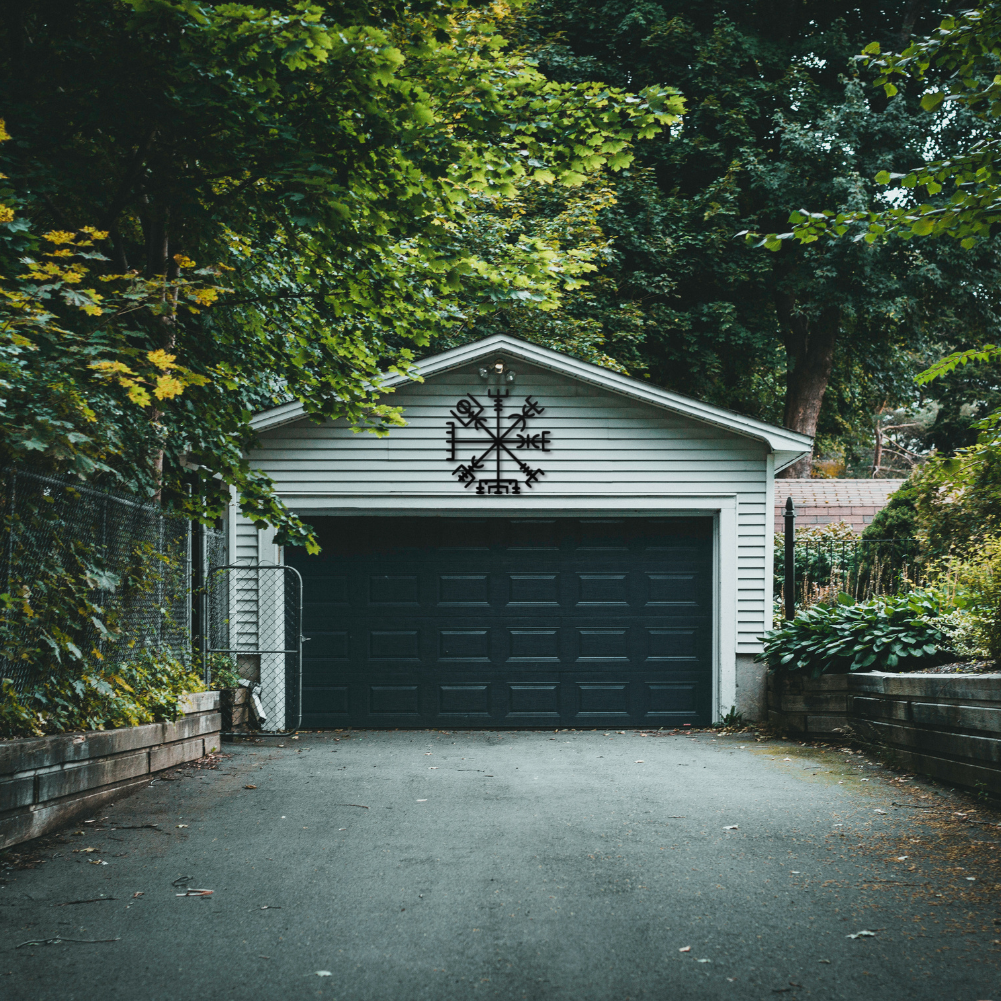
pixel 788 446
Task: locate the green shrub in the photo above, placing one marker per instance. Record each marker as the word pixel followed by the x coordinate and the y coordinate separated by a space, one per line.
pixel 222 672
pixel 976 584
pixel 881 634
pixel 952 504
pixel 146 689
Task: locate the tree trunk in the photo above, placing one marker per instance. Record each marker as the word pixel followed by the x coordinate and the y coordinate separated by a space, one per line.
pixel 810 357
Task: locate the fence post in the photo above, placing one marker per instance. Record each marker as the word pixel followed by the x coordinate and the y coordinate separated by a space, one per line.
pixel 790 559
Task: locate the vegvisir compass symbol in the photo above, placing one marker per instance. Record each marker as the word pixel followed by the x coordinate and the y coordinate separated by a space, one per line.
pixel 471 414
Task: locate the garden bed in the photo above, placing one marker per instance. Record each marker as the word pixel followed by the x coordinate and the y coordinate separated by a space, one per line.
pixel 947 726
pixel 45 782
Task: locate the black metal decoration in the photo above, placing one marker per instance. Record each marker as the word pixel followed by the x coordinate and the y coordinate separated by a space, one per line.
pixel 472 415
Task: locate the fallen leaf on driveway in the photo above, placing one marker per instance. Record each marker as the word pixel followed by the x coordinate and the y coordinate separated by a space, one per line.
pixel 181 825
pixel 686 948
pixel 862 934
pixel 250 787
pixel 640 762
pixel 323 973
pixel 879 811
pixel 59 941
pixel 732 827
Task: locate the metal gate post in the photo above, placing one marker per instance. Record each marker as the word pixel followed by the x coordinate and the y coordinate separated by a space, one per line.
pixel 790 559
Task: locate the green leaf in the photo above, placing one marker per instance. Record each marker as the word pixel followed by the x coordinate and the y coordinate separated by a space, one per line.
pixel 883 177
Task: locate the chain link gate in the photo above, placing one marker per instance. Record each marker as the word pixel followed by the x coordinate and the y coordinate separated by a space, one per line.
pixel 254 618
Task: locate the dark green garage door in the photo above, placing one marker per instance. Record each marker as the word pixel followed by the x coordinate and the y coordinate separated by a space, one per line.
pixel 516 622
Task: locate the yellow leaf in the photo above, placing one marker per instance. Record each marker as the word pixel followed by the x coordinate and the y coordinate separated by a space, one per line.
pixel 183 262
pixel 161 359
pixel 4 134
pixel 59 236
pixel 167 387
pixel 139 396
pixel 111 367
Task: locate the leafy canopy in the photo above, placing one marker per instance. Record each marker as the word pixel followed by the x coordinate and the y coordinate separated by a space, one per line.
pixel 331 161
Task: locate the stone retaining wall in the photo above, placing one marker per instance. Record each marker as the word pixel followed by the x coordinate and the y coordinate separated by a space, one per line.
pixel 45 782
pixel 947 726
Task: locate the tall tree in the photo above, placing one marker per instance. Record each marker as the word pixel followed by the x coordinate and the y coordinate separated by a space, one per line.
pixel 817 336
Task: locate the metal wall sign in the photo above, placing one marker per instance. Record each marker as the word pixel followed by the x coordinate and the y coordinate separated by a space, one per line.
pixel 492 440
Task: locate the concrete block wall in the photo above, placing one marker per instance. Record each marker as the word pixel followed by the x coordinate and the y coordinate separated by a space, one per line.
pixel 45 782
pixel 942 725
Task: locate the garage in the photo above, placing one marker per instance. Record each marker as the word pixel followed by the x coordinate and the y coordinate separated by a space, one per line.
pixel 507 622
pixel 544 542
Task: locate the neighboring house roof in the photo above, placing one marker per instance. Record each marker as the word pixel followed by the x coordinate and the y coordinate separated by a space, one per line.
pixel 823 501
pixel 788 446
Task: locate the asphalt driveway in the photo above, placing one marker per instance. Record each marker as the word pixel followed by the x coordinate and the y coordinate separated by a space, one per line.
pixel 595 865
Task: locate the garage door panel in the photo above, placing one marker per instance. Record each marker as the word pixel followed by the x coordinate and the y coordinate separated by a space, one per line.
pixel 328 645
pixel 603 700
pixel 533 589
pixel 672 698
pixel 464 590
pixel 472 645
pixel 531 644
pixel 393 590
pixel 605 590
pixel 533 535
pixel 541 699
pixel 394 700
pixel 464 700
pixel 509 622
pixel 671 645
pixel 394 645
pixel 607 645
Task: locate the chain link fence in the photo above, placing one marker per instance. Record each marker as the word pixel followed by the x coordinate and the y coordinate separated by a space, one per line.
pixel 70 548
pixel 254 616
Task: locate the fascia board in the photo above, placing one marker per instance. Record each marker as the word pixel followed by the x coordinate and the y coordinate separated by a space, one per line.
pixel 779 440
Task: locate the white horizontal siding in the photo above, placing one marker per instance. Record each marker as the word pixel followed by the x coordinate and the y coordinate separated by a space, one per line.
pixel 602 445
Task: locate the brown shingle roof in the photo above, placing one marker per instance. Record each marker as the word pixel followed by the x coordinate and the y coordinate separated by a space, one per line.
pixel 823 501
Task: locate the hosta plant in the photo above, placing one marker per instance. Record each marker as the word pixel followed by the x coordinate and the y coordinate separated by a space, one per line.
pixel 882 634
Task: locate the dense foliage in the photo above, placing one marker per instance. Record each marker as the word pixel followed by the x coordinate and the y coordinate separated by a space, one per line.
pixel 819 336
pixel 950 504
pixel 146 689
pixel 882 634
pixel 331 161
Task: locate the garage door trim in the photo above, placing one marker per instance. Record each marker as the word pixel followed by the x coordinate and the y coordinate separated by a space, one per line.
pixel 721 508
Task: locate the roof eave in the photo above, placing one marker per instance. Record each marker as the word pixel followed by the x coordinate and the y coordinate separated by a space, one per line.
pixel 787 445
